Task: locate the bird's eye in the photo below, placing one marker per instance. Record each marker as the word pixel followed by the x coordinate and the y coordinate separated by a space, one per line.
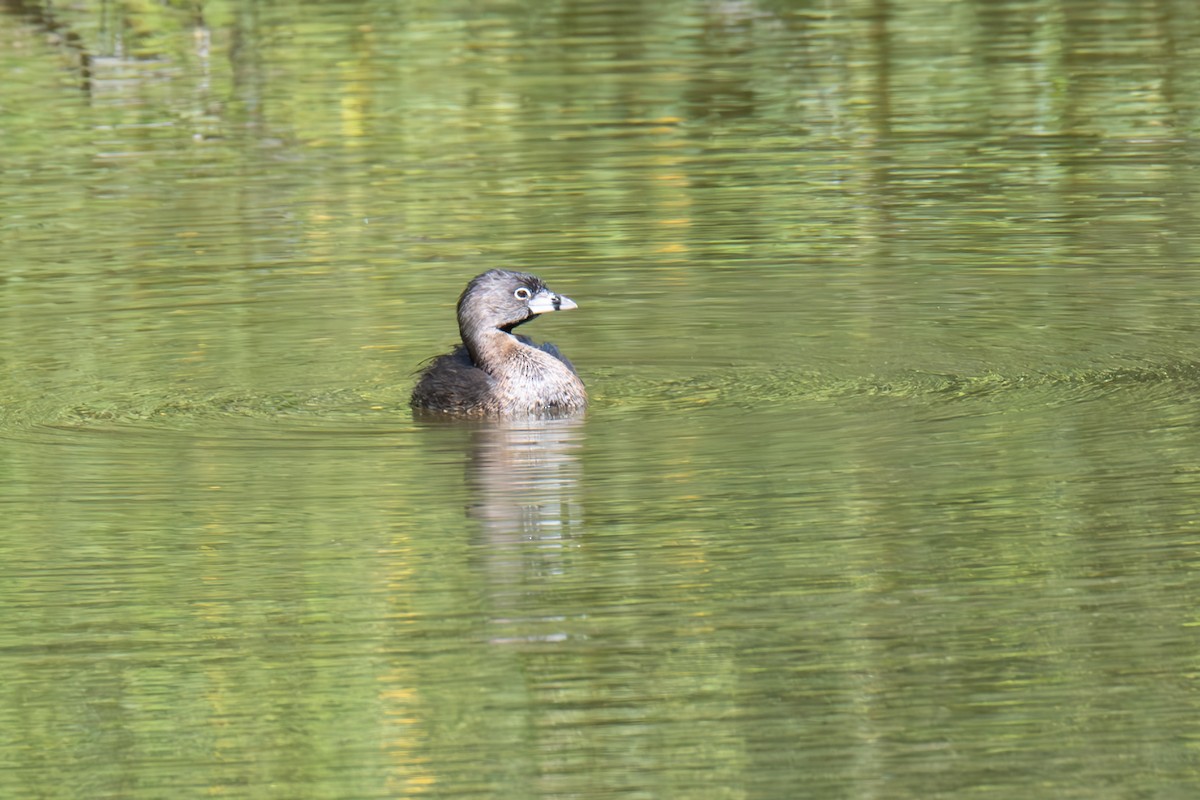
pixel 522 293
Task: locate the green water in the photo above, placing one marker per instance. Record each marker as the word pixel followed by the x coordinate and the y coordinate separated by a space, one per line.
pixel 890 486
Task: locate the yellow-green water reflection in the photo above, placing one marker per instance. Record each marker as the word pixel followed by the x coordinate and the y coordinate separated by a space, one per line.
pixel 886 310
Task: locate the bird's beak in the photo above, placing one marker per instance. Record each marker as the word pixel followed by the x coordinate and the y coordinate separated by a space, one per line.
pixel 546 300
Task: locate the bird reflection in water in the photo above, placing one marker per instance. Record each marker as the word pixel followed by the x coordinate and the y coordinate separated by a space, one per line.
pixel 525 478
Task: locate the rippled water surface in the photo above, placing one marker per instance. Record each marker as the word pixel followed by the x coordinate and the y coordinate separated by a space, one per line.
pixel 890 486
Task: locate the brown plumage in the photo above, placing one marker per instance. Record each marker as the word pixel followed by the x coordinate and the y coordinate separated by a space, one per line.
pixel 495 372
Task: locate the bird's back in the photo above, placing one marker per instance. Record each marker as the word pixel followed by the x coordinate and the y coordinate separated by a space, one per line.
pixel 452 384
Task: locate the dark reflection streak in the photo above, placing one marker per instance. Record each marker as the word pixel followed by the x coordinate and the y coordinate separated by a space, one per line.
pixel 83 59
pixel 1166 33
pixel 879 191
pixel 883 61
pixel 524 476
pixel 250 79
pixel 43 17
pixel 1178 206
pixel 1075 45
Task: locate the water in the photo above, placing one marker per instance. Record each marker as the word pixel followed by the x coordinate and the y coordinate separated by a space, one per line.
pixel 888 487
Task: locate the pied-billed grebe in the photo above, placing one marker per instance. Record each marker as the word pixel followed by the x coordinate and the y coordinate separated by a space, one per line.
pixel 495 372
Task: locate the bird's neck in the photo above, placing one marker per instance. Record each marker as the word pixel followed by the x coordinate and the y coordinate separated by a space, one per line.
pixel 491 348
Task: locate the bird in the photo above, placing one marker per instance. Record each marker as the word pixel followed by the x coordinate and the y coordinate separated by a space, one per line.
pixel 496 373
